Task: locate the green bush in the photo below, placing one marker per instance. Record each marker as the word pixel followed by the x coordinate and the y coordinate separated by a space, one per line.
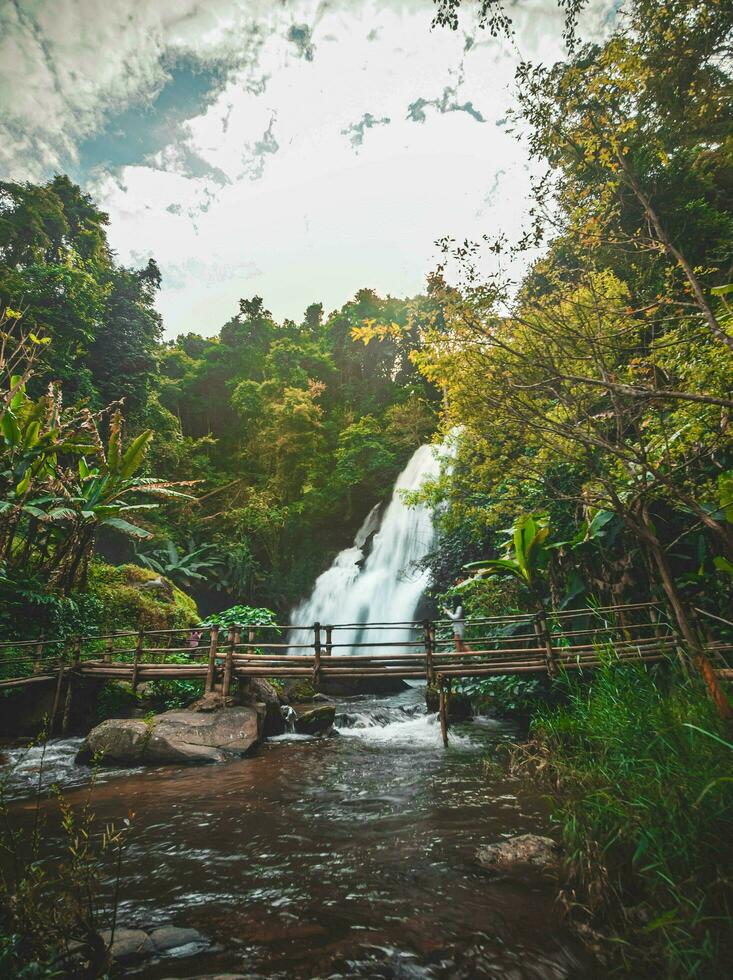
pixel 641 763
pixel 164 695
pixel 505 694
pixel 242 616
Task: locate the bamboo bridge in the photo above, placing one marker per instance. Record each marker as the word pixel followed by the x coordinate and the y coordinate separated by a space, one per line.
pixel 524 644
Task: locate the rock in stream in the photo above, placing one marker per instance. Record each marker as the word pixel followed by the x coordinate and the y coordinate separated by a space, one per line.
pixel 174 737
pixel 527 855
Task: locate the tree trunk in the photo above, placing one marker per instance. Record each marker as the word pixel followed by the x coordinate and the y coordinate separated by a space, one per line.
pixel 697 654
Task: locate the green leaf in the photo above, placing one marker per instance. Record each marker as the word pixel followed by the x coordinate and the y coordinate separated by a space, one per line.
pixel 722 290
pixel 22 488
pixel 61 514
pixel 723 565
pixel 31 434
pixel 135 453
pixel 10 430
pixel 19 396
pixel 725 488
pixel 126 528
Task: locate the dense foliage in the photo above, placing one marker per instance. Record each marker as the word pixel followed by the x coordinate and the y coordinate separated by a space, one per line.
pixel 291 431
pixel 597 394
pixel 638 765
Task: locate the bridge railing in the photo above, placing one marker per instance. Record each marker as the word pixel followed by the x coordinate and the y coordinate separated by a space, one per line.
pixel 566 639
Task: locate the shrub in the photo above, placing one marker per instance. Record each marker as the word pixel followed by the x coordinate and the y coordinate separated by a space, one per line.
pixel 242 616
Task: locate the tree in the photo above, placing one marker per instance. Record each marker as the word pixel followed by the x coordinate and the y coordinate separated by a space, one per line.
pixel 59 483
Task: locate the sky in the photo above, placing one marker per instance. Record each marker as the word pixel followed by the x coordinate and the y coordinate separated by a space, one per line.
pixel 292 149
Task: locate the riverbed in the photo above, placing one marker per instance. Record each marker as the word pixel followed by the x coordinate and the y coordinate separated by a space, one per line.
pixel 349 856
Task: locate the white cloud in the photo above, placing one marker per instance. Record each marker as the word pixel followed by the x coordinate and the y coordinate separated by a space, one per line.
pixel 289 206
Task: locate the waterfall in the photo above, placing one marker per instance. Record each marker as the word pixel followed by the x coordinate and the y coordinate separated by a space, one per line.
pixel 384 586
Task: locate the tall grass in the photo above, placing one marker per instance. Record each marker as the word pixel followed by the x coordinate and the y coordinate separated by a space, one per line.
pixel 642 767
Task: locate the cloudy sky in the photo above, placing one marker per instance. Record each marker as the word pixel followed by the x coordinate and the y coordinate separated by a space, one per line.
pixel 296 150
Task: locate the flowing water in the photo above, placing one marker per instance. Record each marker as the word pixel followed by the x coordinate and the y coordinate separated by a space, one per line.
pixel 350 856
pixel 376 579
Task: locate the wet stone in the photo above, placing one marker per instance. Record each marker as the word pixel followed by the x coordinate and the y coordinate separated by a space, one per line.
pixel 314 720
pixel 174 937
pixel 174 737
pixel 129 944
pixel 521 856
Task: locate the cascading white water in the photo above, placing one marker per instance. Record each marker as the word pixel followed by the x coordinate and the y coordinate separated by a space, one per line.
pixel 386 587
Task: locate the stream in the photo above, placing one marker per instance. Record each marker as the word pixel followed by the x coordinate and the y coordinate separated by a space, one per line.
pixel 349 856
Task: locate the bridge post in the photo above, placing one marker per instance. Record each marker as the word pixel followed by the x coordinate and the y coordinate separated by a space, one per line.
pixel 329 641
pixel 443 710
pixel 136 661
pixel 316 653
pixel 211 671
pixel 428 640
pixel 57 696
pixel 38 656
pixel 77 653
pixel 543 639
pixel 234 637
pixel 76 664
pixel 108 646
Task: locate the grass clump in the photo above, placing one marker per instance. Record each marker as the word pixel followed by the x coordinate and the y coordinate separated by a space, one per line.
pixel 642 767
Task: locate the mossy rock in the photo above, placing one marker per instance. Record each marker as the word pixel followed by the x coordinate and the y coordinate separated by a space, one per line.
pixel 125 605
pixel 314 719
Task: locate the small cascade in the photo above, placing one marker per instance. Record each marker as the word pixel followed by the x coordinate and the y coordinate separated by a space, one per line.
pixel 380 584
pixel 289 717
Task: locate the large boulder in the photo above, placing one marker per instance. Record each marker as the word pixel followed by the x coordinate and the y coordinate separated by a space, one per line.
pixel 174 737
pixel 527 855
pixel 314 719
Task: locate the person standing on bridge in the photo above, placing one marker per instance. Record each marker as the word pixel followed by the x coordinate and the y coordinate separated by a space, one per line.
pixel 459 627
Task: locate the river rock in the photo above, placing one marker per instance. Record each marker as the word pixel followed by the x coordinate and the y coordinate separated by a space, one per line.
pixel 314 720
pixel 524 855
pixel 174 737
pixel 129 944
pixel 174 937
pixel 258 690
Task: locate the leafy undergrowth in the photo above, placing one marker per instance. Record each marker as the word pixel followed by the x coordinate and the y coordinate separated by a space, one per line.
pixel 642 769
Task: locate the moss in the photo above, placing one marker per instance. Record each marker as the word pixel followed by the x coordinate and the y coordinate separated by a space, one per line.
pixel 125 605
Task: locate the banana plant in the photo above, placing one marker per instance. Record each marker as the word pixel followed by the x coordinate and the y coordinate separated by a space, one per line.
pixel 183 567
pixel 526 555
pixel 59 483
pixel 107 495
